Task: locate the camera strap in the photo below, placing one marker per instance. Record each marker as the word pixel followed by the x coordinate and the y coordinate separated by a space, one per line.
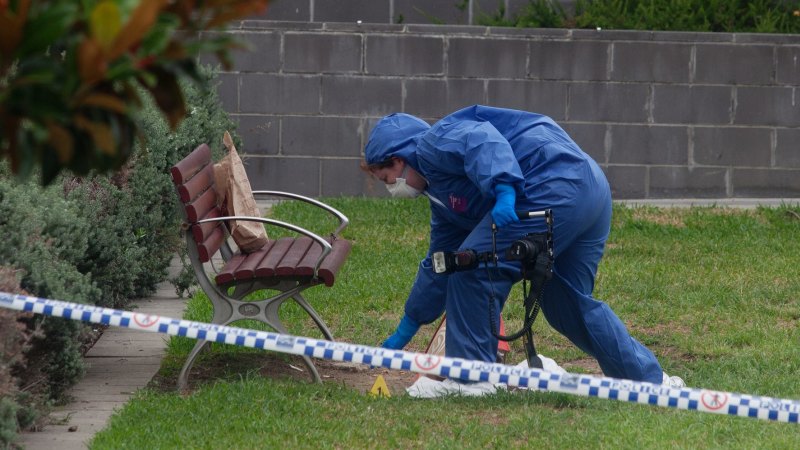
pixel 542 273
pixel 538 273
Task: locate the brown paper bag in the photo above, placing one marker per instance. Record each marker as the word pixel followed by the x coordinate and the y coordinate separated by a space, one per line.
pixel 236 198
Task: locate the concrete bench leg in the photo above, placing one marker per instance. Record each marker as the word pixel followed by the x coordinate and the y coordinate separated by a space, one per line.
pixel 228 310
pixel 183 378
pixel 314 316
pixel 272 319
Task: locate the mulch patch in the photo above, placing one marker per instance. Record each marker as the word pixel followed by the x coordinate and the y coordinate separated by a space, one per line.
pixel 359 377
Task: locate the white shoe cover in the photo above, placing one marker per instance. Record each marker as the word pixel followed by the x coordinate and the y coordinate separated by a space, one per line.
pixel 673 382
pixel 426 387
pixel 548 365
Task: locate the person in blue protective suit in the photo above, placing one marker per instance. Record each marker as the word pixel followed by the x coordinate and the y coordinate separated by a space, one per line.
pixel 477 166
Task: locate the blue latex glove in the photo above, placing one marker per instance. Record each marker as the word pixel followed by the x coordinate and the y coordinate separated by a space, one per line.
pixel 405 331
pixel 503 212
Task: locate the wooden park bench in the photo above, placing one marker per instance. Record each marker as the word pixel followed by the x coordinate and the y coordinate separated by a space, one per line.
pixel 283 268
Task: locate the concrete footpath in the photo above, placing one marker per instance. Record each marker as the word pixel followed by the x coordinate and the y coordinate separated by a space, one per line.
pixel 120 362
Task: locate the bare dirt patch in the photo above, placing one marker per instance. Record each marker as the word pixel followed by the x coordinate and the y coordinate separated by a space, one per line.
pixel 583 365
pixel 359 377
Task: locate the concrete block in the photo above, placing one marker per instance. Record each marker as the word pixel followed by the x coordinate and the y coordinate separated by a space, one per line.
pixel 361 96
pixel 429 12
pixel 444 30
pixel 683 182
pixel 259 134
pixel 258 25
pixel 371 11
pixel 584 34
pixel 571 60
pixel 649 144
pixel 290 10
pixel 405 55
pixel 788 66
pixel 787 148
pixel 774 183
pixel 436 98
pixel 651 62
pixel 228 91
pixel 261 54
pixel 276 94
pixel 534 34
pixel 691 36
pixel 627 182
pixel 321 136
pixel 766 38
pixel 297 175
pixel 688 104
pixel 322 52
pixel 489 58
pixel 591 137
pixel 343 177
pixel 364 27
pixel 775 106
pixel 732 146
pixel 734 64
pixel 544 97
pixel 608 102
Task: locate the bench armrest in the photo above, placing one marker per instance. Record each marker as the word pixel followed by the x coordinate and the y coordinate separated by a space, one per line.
pixel 326 247
pixel 343 220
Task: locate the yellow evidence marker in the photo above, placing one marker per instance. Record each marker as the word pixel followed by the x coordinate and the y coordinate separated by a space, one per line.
pixel 380 389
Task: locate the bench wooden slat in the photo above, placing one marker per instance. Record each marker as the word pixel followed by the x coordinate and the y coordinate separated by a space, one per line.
pixel 226 274
pixel 306 265
pixel 293 256
pixel 247 269
pixel 334 261
pixel 197 184
pixel 190 165
pixel 203 230
pixel 211 245
pixel 201 206
pixel 266 268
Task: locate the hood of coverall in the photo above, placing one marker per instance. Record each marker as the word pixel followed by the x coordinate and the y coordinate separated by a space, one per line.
pixel 395 135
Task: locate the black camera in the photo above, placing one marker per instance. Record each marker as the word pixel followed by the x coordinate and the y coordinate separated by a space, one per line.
pixel 535 252
pixel 527 248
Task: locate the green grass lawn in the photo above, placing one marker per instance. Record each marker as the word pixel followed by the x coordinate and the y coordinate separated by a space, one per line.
pixel 714 292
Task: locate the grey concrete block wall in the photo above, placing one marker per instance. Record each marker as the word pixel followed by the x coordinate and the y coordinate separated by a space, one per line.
pixel 665 114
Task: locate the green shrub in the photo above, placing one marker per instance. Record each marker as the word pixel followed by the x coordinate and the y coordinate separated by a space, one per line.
pixel 536 14
pixel 45 238
pixel 104 240
pixel 8 421
pixel 733 16
pixel 18 408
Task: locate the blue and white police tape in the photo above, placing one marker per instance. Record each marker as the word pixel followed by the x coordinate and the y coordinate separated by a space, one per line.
pixel 717 402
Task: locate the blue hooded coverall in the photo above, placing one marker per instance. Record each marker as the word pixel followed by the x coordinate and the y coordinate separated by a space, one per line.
pixel 462 157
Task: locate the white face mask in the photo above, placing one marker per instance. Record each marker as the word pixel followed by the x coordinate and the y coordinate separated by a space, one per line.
pixel 401 189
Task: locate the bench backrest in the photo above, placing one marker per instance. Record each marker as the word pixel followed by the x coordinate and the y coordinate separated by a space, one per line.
pixel 194 180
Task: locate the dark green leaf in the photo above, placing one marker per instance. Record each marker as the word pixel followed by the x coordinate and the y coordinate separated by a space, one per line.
pixel 50 24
